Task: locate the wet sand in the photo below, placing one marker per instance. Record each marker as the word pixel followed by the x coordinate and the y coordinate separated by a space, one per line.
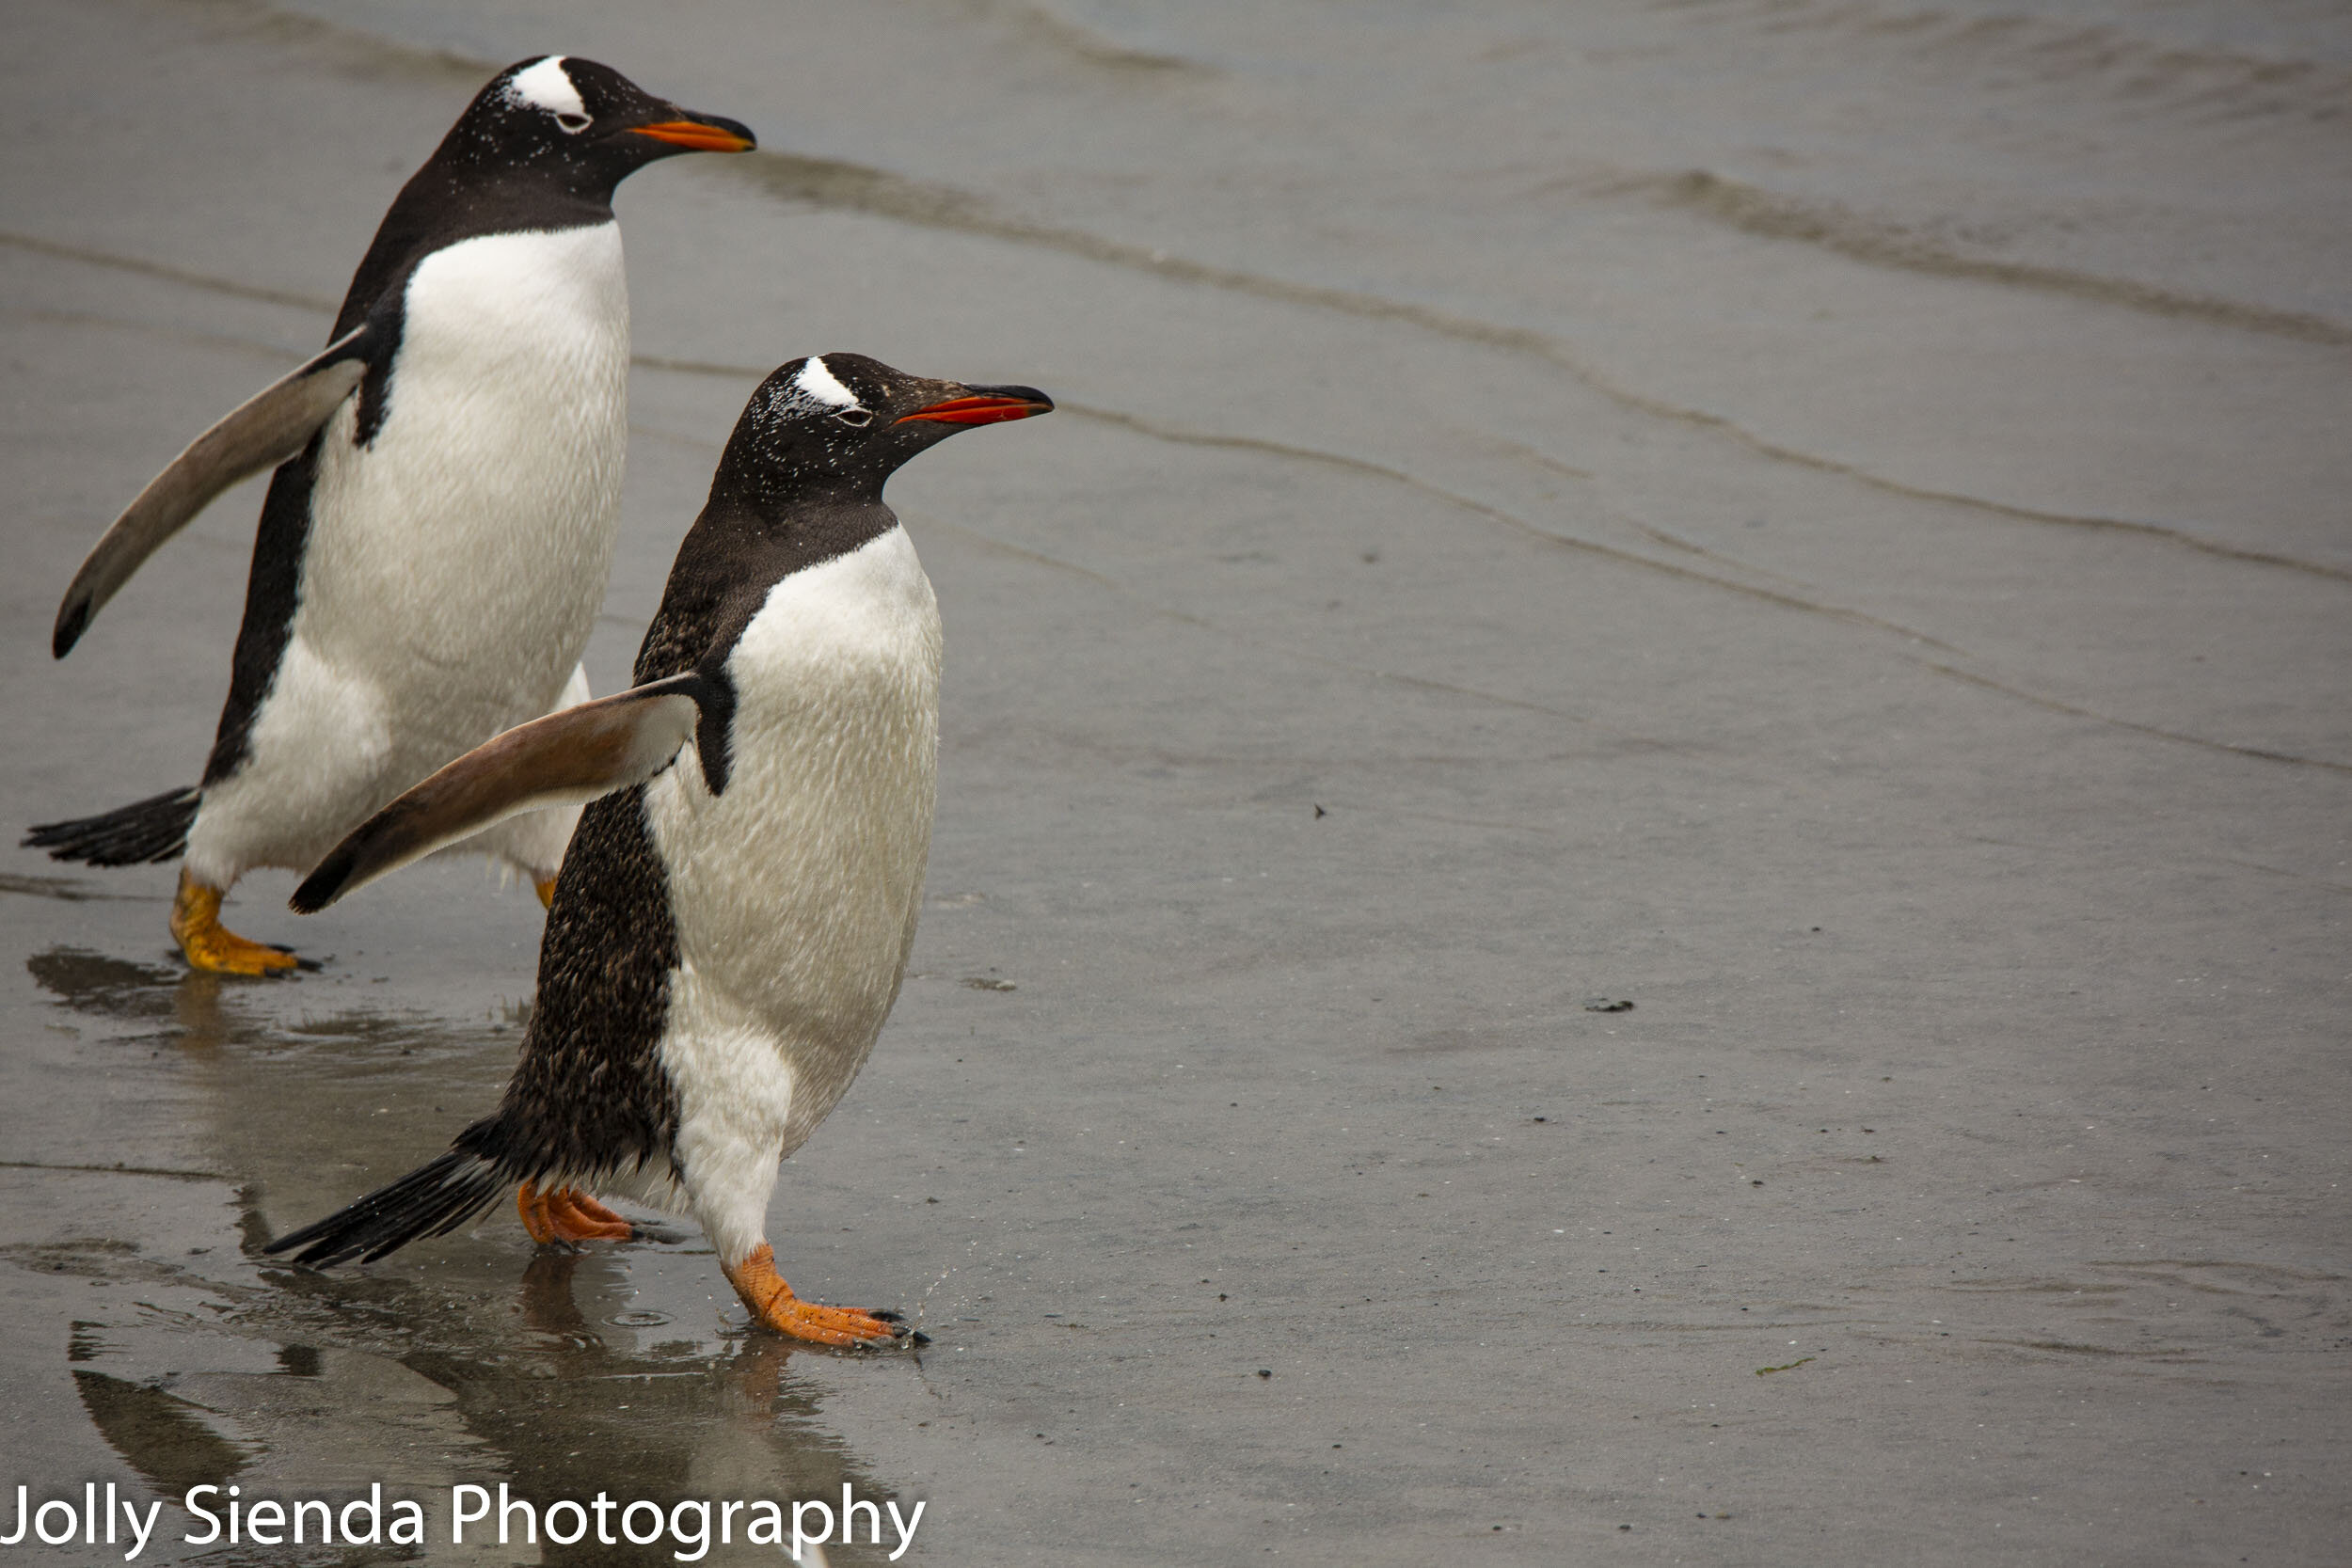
pixel 1822 521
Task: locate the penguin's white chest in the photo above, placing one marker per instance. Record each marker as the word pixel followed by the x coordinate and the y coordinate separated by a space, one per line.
pixel 457 560
pixel 795 892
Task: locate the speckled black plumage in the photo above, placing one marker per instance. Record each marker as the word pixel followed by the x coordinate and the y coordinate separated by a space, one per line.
pixel 589 1094
pixel 798 485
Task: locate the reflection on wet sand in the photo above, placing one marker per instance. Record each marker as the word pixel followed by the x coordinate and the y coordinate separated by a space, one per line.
pixel 551 1376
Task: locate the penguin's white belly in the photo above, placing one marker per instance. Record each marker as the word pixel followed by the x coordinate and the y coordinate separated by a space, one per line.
pixel 795 892
pixel 455 562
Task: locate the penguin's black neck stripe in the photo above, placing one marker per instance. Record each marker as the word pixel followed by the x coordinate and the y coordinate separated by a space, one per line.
pixel 730 559
pixel 439 207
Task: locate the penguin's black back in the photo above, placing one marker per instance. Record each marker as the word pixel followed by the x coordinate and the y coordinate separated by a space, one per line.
pixel 273 583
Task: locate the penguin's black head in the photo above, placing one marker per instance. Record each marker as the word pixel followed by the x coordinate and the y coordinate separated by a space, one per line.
pixel 585 124
pixel 837 425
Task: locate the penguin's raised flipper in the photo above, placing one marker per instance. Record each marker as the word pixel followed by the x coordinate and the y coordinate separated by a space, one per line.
pixel 568 758
pixel 264 431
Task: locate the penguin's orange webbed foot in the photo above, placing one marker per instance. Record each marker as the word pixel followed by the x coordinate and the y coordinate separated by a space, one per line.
pixel 568 1214
pixel 212 948
pixel 774 1306
pixel 580 1218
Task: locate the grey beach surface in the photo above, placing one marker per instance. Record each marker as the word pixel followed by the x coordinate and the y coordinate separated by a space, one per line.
pixel 1823 520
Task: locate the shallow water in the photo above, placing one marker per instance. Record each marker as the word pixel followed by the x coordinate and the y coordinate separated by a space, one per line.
pixel 1822 518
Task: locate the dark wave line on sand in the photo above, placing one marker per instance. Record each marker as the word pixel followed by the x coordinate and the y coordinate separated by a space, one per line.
pixel 148 329
pixel 1784 600
pixel 2004 50
pixel 1521 451
pixel 60 250
pixel 1090 47
pixel 116 1170
pixel 1770 214
pixel 1454 499
pixel 2157 731
pixel 354 50
pixel 67 890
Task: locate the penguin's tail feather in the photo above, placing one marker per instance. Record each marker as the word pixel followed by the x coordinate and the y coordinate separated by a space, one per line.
pixel 156 828
pixel 431 1200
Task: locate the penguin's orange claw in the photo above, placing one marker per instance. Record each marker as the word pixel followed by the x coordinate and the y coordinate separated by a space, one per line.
pixel 212 948
pixel 774 1306
pixel 581 1218
pixel 567 1214
pixel 546 888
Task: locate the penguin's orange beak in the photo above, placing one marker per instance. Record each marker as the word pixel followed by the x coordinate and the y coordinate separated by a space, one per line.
pixel 993 406
pixel 697 135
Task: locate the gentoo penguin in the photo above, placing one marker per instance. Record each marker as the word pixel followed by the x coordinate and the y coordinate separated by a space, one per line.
pixel 434 545
pixel 733 919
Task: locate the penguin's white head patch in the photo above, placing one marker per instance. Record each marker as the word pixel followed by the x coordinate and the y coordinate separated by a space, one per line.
pixel 817 390
pixel 547 87
pixel 817 382
pixel 809 391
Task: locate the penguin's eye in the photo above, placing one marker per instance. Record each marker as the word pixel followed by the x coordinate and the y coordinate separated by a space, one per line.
pixel 574 124
pixel 855 415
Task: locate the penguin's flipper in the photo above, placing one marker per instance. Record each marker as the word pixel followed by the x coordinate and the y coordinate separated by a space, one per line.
pixel 261 432
pixel 569 758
